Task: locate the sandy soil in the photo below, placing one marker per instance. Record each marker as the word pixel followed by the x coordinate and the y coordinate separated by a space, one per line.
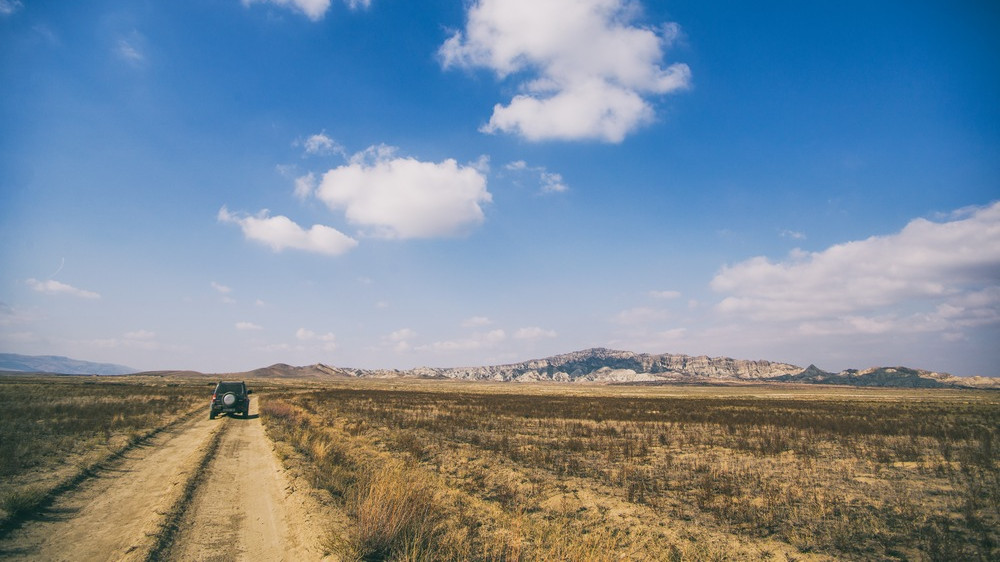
pixel 202 490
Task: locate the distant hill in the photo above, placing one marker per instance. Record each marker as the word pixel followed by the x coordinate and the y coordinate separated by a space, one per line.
pixel 283 371
pixel 57 364
pixel 889 376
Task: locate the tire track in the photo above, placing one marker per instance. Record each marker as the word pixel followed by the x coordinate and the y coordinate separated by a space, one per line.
pixel 246 507
pixel 119 514
pixel 178 495
pixel 171 525
pixel 86 473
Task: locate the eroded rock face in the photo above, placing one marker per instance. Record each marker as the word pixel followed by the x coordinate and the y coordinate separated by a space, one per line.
pixel 607 365
pixel 600 365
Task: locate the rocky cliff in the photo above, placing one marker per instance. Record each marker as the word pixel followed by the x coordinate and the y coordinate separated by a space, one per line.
pixel 606 365
pixel 614 366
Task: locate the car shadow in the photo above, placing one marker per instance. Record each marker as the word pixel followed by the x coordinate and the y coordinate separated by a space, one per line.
pixel 250 417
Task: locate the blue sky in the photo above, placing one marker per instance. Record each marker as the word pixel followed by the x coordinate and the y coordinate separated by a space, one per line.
pixel 223 184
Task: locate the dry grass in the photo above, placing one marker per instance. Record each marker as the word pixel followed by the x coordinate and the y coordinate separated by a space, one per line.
pixel 53 430
pixel 446 471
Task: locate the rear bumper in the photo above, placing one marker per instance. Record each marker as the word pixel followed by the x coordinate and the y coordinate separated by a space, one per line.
pixel 223 409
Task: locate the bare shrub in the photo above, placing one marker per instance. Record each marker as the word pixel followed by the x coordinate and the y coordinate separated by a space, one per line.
pixel 20 502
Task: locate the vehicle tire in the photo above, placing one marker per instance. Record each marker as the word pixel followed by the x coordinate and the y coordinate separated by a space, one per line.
pixel 211 415
pixel 246 413
pixel 229 399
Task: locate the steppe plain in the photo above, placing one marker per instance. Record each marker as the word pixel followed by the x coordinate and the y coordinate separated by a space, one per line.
pixel 412 469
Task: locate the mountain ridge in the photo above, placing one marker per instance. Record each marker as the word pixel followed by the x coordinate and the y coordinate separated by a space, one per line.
pixel 594 365
pixel 602 365
pixel 616 366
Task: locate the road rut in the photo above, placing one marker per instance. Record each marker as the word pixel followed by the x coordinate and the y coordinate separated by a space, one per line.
pixel 200 490
pixel 242 510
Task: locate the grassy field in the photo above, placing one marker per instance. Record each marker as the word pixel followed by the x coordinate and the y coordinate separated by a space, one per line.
pixel 54 430
pixel 443 470
pixel 475 471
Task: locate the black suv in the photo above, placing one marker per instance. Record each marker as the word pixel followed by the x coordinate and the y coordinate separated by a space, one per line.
pixel 230 397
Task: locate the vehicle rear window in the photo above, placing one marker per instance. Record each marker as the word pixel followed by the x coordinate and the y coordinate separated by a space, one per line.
pixel 229 387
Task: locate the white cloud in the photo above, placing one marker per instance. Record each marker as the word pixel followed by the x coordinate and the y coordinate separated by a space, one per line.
pixel 549 182
pixel 478 340
pixel 312 9
pixel 929 277
pixel 140 335
pixel 553 183
pixel 591 110
pixel 247 326
pixel 272 347
pixel 8 7
pixel 672 334
pixel 328 340
pixel 400 339
pixel 795 235
pixel 139 339
pixel 321 145
pixel 585 68
pixel 476 322
pixel 664 294
pixel 130 52
pixel 11 316
pixel 221 288
pixel 639 315
pixel 21 337
pixel 308 335
pixel 482 164
pixel 280 232
pixel 495 336
pixel 534 333
pixel 52 287
pixel 305 186
pixel 402 335
pixel 401 197
pixel 224 291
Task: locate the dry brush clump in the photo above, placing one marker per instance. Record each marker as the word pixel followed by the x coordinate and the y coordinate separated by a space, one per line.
pixel 613 473
pixel 394 507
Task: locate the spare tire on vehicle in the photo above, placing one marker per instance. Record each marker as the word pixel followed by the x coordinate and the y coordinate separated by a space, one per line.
pixel 229 399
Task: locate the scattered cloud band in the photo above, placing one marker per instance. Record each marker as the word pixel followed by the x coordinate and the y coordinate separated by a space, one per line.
pixel 930 276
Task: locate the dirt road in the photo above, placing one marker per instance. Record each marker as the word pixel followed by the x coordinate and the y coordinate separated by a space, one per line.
pixel 201 490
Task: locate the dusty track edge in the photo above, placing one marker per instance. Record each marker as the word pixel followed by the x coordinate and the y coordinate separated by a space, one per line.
pixel 171 524
pixel 11 524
